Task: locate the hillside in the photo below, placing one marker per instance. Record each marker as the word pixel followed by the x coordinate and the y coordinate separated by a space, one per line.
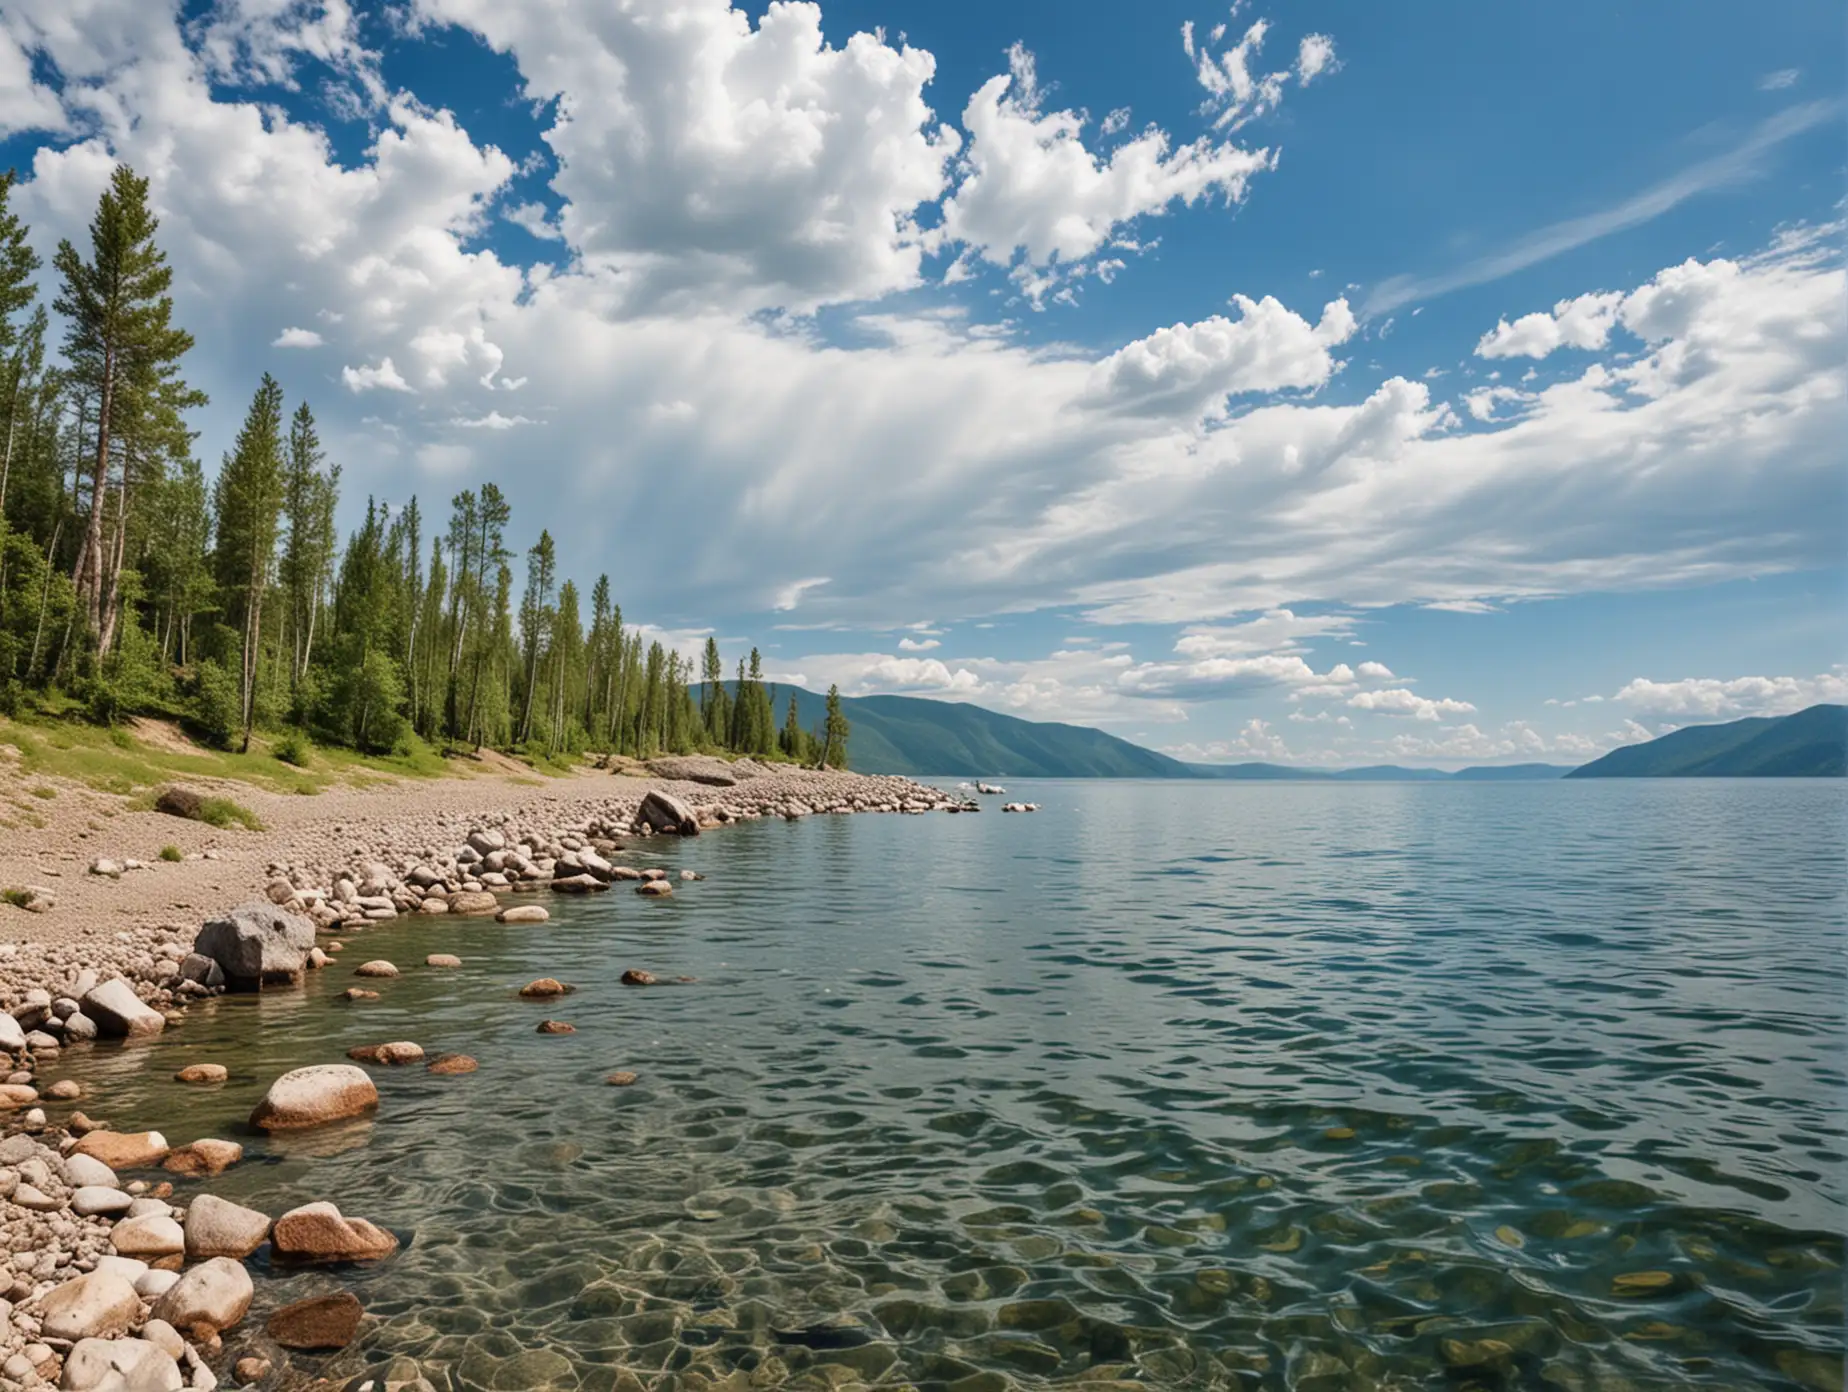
pixel 1812 743
pixel 906 734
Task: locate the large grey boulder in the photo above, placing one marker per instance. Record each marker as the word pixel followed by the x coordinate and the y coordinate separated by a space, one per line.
pixel 117 1010
pixel 258 945
pixel 665 812
pixel 694 768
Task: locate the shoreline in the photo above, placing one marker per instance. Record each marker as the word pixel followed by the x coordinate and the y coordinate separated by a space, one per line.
pixel 110 1272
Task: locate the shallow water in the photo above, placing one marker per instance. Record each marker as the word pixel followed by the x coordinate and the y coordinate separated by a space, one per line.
pixel 1376 1086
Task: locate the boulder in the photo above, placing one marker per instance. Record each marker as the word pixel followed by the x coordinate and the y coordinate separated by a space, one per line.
pixel 664 812
pixel 473 901
pixel 201 970
pixel 149 1237
pixel 217 1227
pixel 13 1096
pixel 655 889
pixel 124 1150
pixel 523 913
pixel 695 768
pixel 121 1365
pixel 578 884
pixel 442 959
pixel 12 1034
pixel 118 1011
pixel 94 1199
pixel 81 1171
pixel 449 1065
pixel 401 1052
pixel 215 1293
pixel 98 1306
pixel 258 945
pixel 487 841
pixel 622 1078
pixel 555 1027
pixel 204 1157
pixel 314 1097
pixel 202 1073
pixel 318 1232
pixel 545 988
pixel 323 1322
pixel 380 969
pixel 180 802
pixel 155 1282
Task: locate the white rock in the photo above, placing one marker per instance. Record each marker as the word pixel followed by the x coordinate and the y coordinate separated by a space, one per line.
pixel 155 1283
pixel 217 1292
pixel 95 1306
pixel 131 1365
pixel 93 1199
pixel 151 1235
pixel 83 1170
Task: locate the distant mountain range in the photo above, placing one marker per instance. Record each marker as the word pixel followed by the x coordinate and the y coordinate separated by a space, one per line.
pixel 912 735
pixel 1812 743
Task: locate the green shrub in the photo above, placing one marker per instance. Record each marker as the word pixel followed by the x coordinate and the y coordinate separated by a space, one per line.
pixel 171 854
pixel 18 898
pixel 45 791
pixel 217 703
pixel 223 812
pixel 293 748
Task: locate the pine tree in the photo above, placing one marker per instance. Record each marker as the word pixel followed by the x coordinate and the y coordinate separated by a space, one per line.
pixel 123 352
pixel 835 732
pixel 248 502
pixel 309 499
pixel 536 619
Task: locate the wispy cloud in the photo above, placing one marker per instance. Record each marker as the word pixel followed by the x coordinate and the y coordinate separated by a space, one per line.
pixel 1548 242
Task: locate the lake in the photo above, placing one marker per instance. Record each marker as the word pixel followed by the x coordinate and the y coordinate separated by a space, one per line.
pixel 1168 1085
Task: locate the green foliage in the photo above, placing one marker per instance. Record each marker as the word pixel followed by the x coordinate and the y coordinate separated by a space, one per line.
pixel 224 813
pixel 293 748
pixel 18 898
pixel 172 854
pixel 216 703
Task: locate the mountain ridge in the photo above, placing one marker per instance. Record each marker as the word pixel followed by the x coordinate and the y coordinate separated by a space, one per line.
pixel 1811 743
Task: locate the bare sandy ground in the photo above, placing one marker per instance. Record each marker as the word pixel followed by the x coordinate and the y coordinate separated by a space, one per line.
pixel 82 825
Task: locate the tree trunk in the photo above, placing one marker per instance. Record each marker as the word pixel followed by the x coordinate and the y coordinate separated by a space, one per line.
pixel 89 576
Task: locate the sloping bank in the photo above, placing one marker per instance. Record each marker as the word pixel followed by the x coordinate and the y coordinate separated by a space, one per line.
pixel 109 1281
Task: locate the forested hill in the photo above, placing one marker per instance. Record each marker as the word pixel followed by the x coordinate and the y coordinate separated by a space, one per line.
pixel 1812 743
pixel 907 734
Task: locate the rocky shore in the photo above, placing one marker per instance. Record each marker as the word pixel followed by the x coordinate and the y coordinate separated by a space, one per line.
pixel 107 1282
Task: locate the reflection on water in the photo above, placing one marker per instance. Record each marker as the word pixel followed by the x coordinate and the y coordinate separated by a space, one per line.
pixel 1167 1086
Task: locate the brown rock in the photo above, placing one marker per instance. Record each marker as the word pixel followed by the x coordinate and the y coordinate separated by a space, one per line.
pixel 442 959
pixel 318 1232
pixel 121 1150
pixel 324 1322
pixel 379 968
pixel 251 1369
pixel 578 884
pixel 623 1078
pixel 80 1125
pixel 315 1096
pixel 654 889
pixel 635 976
pixel 449 1065
pixel 64 1090
pixel 523 913
pixel 473 902
pixel 392 1054
pixel 358 993
pixel 545 988
pixel 556 1027
pixel 202 1073
pixel 204 1157
pixel 13 1096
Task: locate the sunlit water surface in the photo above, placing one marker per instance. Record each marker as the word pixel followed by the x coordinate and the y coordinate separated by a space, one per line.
pixel 1184 1086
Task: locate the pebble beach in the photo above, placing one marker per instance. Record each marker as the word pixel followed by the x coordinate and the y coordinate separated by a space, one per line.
pixel 118 1266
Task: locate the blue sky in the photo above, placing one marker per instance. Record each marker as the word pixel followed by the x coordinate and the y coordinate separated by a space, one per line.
pixel 901 339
